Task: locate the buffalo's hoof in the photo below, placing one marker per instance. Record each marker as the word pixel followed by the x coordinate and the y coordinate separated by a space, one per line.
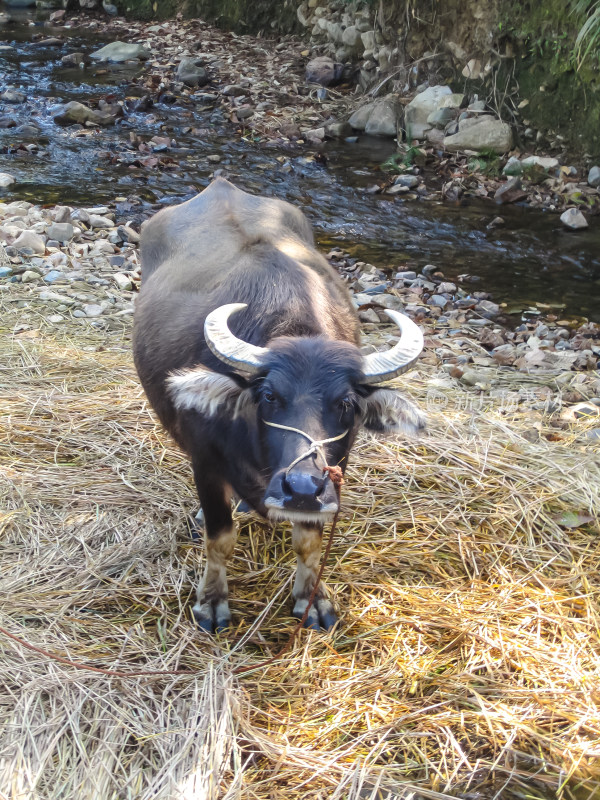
pixel 321 615
pixel 212 616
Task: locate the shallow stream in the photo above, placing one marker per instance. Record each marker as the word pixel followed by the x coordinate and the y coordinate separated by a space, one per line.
pixel 530 260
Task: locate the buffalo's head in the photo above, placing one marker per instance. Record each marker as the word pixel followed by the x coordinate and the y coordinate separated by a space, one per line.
pixel 307 397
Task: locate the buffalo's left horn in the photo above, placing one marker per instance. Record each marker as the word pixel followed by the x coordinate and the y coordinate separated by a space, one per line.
pixel 240 355
pixel 380 367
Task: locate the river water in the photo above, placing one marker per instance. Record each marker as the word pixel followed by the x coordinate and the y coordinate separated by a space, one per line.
pixel 530 262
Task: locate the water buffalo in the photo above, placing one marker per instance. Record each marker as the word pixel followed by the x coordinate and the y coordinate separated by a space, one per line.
pixel 247 345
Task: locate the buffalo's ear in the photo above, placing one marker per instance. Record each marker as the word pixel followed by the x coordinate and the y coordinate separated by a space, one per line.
pixel 207 392
pixel 386 411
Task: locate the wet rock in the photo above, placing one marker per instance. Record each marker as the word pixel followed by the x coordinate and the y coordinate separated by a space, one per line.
pixel 33 241
pixel 573 218
pixel 77 113
pixel 419 109
pixel 510 192
pixel 121 51
pixel 7 122
pixel 12 96
pixel 6 180
pixel 482 133
pixel 28 130
pixel 191 72
pixel 410 181
pixel 73 59
pixel 338 130
pixel 324 71
pixel 593 178
pixel 61 231
pixel 488 308
pixel 385 116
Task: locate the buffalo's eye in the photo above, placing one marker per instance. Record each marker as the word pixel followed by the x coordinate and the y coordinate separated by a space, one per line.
pixel 344 404
pixel 269 397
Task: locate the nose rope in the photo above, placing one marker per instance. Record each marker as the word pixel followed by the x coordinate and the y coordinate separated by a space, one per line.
pixel 316 445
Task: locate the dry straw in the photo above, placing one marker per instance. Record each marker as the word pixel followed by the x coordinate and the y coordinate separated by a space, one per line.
pixel 466 662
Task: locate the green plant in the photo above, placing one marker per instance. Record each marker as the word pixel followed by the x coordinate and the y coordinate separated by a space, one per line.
pixel 588 38
pixel 487 162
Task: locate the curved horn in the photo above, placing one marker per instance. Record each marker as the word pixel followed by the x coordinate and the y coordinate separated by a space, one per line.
pixel 380 367
pixel 240 355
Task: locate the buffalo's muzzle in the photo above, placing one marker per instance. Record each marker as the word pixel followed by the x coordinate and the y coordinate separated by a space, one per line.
pixel 307 494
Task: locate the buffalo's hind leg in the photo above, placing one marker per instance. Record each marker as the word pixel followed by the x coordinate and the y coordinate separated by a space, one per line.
pixel 306 541
pixel 211 610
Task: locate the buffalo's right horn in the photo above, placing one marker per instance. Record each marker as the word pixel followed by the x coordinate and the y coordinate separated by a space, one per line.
pixel 380 367
pixel 240 355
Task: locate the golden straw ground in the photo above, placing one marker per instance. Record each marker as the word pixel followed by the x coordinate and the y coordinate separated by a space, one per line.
pixel 466 662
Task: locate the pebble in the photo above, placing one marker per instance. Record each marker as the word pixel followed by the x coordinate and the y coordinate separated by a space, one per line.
pixel 593 178
pixel 93 310
pixel 61 231
pixel 573 219
pixel 123 281
pixel 96 221
pixel 411 181
pixel 55 318
pixel 52 276
pixel 29 276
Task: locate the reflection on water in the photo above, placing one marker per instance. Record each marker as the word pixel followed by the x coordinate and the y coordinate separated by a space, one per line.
pixel 532 258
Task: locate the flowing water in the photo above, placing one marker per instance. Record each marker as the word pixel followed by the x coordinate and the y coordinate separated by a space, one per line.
pixel 531 259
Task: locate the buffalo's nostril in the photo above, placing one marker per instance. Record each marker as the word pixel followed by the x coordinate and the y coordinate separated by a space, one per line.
pixel 300 486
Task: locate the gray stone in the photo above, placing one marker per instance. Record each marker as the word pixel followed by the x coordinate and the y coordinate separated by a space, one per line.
pixel 446 287
pixel 97 221
pixel 52 276
pixel 29 276
pixel 368 40
pixel 359 119
pixel 510 192
pixel 12 96
pixel 33 241
pixel 5 272
pixel 121 51
pixel 324 71
pixel 483 133
pixel 127 234
pixel 73 59
pixel 573 219
pixel 351 38
pixel 191 72
pixel 441 117
pixel 62 231
pixel 78 113
pixel 540 161
pixel 594 177
pixel 6 180
pixel 513 167
pixel 384 117
pixel 93 310
pixel 123 281
pixel 419 109
pixel 411 181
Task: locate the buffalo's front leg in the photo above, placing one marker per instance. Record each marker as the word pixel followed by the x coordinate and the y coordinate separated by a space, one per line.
pixel 306 541
pixel 211 610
